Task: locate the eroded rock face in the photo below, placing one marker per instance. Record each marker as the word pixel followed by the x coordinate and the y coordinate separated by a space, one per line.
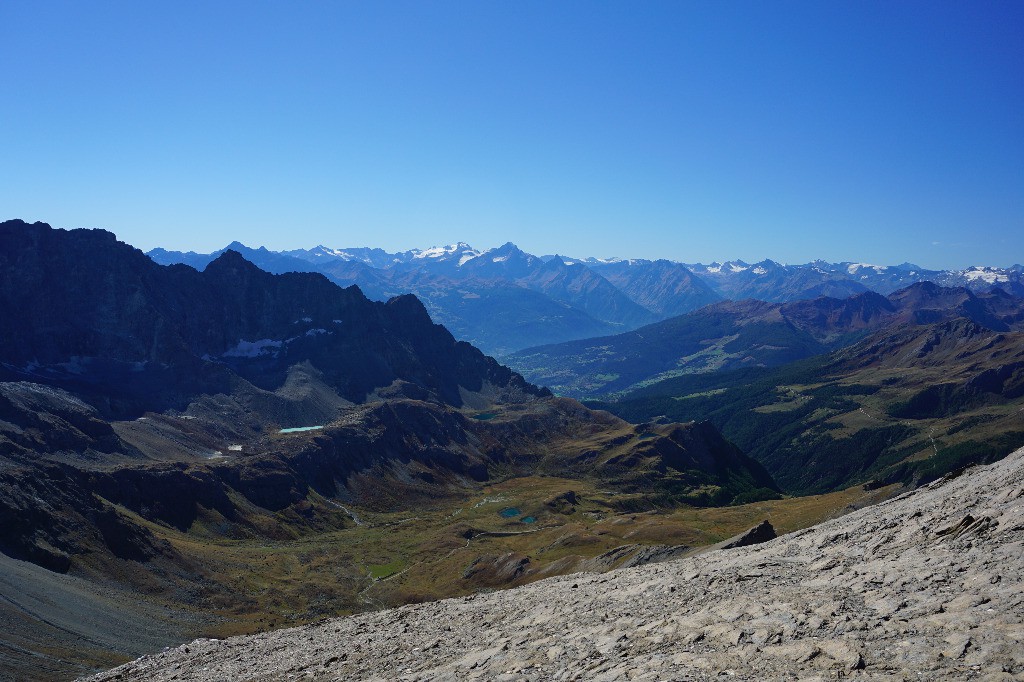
pixel 925 586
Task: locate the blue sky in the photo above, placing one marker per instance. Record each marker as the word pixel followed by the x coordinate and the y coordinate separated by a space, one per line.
pixel 878 132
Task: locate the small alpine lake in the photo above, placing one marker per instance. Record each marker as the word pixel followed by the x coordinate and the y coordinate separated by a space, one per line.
pixel 299 429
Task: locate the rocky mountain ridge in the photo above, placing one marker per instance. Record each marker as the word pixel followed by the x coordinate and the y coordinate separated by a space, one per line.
pixel 929 583
pixel 571 298
pixel 80 309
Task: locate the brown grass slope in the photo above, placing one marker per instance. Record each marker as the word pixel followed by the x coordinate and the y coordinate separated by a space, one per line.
pixel 926 585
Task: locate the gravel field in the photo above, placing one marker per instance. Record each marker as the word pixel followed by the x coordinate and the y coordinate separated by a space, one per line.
pixel 56 626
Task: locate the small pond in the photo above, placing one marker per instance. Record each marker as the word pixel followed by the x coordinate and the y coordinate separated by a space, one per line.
pixel 298 429
pixel 512 512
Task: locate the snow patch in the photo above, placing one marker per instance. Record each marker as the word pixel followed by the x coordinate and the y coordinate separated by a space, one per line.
pixel 314 332
pixel 441 251
pixel 757 271
pixel 253 349
pixel 852 268
pixel 500 259
pixel 740 268
pixel 987 275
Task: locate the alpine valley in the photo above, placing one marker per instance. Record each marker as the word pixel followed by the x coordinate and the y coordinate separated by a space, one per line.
pixel 209 445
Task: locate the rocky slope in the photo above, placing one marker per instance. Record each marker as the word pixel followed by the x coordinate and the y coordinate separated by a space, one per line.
pixel 927 585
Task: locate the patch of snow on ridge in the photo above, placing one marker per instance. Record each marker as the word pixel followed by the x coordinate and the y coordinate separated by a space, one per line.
pixel 500 259
pixel 852 268
pixel 739 268
pixel 433 252
pixel 442 251
pixel 987 275
pixel 757 271
pixel 467 257
pixel 314 332
pixel 252 349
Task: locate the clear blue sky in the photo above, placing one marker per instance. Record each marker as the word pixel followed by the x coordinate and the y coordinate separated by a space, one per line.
pixel 698 131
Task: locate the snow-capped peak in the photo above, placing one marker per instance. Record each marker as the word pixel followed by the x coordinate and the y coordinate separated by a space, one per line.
pixel 985 274
pixel 852 268
pixel 321 251
pixel 462 249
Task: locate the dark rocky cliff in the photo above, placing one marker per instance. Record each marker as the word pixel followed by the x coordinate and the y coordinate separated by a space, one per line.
pixel 80 309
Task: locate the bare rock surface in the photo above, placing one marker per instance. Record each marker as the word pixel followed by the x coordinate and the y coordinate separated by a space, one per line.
pixel 924 586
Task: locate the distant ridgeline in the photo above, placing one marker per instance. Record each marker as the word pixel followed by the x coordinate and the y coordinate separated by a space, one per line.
pixel 933 384
pixel 503 300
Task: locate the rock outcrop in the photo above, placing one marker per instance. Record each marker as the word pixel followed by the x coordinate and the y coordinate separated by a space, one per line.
pixel 924 586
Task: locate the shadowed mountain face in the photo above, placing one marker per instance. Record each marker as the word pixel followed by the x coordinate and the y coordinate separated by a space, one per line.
pixel 734 335
pixel 80 309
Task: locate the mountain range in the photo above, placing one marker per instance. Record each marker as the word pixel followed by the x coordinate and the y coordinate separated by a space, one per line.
pixel 504 299
pixel 750 333
pixel 168 434
pixel 211 448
